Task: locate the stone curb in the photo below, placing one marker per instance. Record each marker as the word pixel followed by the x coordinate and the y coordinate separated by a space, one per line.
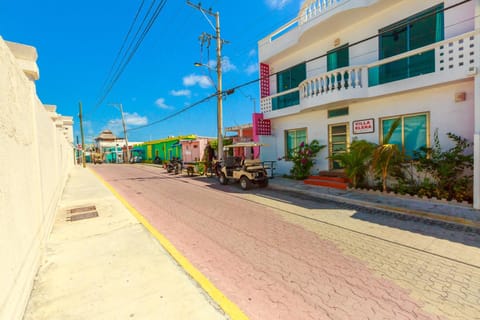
pixel 382 207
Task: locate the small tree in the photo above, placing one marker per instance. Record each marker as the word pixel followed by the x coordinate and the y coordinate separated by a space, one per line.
pixel 447 168
pixel 356 160
pixel 302 158
pixel 387 157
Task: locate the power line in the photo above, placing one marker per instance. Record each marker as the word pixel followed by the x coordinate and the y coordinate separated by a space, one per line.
pixel 127 36
pixel 232 89
pixel 175 113
pixel 133 46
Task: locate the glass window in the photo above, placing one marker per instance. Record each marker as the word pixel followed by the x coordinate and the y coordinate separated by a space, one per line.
pixel 293 138
pixel 338 112
pixel 422 29
pixel 338 58
pixel 410 135
pixel 338 142
pixel 286 80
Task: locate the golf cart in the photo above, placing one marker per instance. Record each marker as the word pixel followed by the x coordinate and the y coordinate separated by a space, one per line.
pixel 248 172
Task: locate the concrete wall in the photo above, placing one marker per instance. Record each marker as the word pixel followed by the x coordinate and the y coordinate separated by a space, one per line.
pixel 445 114
pixel 35 158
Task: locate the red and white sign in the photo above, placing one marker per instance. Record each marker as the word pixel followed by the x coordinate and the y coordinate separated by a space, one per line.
pixel 363 126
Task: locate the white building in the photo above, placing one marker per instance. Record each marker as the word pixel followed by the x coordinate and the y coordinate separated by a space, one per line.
pixel 344 68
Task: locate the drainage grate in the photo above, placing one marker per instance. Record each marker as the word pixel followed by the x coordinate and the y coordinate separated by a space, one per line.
pixel 82 209
pixel 86 213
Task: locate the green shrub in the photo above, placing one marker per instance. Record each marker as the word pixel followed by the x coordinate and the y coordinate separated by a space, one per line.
pixel 303 159
pixel 356 160
pixel 449 170
pixel 387 157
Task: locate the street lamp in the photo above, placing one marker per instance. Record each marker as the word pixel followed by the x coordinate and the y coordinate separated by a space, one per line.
pixel 218 87
pixel 219 40
pixel 124 128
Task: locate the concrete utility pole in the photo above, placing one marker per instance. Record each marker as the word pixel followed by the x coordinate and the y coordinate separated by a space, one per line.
pixel 124 130
pixel 81 132
pixel 216 15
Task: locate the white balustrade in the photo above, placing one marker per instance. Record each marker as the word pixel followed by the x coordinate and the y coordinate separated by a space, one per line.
pixel 349 78
pixel 316 7
pixel 454 60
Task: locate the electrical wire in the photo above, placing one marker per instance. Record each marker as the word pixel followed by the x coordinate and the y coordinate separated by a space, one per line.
pixel 135 43
pixel 125 39
pixel 239 86
pixel 175 113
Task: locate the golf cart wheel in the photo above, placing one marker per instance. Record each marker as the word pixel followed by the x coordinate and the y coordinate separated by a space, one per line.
pixel 264 183
pixel 222 178
pixel 245 183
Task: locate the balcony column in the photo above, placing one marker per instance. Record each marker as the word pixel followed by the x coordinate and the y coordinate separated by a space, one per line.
pixel 476 137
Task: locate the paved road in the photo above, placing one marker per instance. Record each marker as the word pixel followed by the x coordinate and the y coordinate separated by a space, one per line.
pixel 280 257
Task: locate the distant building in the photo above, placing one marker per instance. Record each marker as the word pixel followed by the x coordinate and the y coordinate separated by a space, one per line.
pixel 112 147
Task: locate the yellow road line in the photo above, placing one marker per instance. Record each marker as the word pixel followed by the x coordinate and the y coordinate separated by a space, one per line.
pixel 230 308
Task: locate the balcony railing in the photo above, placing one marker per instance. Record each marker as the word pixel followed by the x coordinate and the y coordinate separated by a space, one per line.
pixel 349 78
pixel 452 59
pixel 314 8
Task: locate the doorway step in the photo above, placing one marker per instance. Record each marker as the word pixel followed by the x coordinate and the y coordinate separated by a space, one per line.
pixel 329 180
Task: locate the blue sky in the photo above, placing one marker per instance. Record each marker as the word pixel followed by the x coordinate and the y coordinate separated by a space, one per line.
pixel 77 42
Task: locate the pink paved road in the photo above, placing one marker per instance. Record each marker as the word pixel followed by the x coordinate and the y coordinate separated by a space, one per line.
pixel 270 268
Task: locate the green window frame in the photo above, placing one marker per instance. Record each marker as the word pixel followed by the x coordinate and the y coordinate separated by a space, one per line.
pixel 414 32
pixel 332 113
pixel 338 142
pixel 412 133
pixel 338 58
pixel 293 139
pixel 286 80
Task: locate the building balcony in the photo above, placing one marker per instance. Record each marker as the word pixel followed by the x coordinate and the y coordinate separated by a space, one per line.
pixel 442 62
pixel 317 18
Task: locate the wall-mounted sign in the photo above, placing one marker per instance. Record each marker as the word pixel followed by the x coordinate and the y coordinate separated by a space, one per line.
pixel 363 126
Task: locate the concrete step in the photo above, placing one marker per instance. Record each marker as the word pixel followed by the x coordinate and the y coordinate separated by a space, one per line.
pixel 327 181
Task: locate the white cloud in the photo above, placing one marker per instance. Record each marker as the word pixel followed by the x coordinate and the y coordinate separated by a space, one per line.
pixel 227 65
pixel 160 102
pixel 131 120
pixel 181 93
pixel 252 53
pixel 277 4
pixel 135 119
pixel 251 69
pixel 195 79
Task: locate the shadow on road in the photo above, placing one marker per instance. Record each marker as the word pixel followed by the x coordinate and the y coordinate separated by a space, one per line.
pixel 426 227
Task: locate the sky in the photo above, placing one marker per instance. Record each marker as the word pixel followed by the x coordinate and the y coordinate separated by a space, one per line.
pixel 78 43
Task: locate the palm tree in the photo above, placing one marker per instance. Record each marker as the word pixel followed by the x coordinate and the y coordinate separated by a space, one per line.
pixel 356 161
pixel 387 156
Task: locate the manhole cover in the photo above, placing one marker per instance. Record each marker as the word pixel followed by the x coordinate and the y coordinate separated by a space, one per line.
pixel 82 213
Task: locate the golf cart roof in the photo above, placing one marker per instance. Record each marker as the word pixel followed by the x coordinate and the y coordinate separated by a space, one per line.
pixel 245 144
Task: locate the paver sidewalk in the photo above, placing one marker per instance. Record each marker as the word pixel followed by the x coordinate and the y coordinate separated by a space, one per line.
pixel 109 267
pixel 440 211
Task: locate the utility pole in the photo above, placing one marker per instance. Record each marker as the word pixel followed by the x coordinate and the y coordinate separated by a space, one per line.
pixel 124 129
pixel 81 132
pixel 216 15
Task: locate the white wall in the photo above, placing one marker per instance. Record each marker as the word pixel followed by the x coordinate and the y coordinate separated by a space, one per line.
pixel 457 21
pixel 35 158
pixel 446 115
